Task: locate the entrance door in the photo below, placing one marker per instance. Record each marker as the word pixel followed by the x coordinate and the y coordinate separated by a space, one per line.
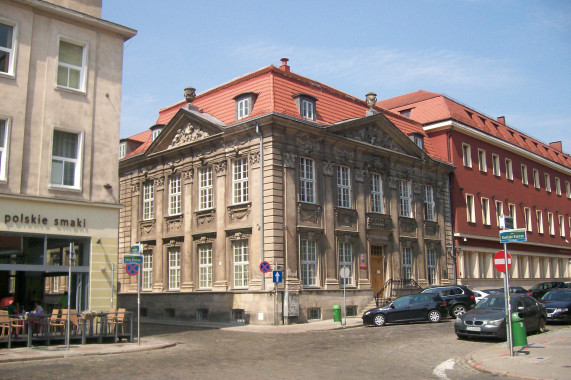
pixel 377 278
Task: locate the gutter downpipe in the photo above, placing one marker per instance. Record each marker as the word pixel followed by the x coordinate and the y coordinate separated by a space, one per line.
pixel 259 132
pixel 453 254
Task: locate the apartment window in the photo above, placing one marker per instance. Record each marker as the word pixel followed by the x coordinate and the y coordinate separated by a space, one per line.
pixel 509 170
pixel 308 109
pixel 428 203
pixel 306 180
pixel 122 150
pixel 346 261
pixel 499 211
pixel 407 263
pixel 65 159
pixel 205 188
pixel 557 186
pixel 155 132
pixel 486 211
pixel 568 189
pixel 551 223
pixel 343 187
pixel 536 179
pixel 431 260
pixel 376 193
pixel 467 155
pixel 241 273
pixel 240 180
pixel 561 226
pixel 3 148
pixel 470 211
pixel 7 47
pixel 174 195
pixel 148 200
pixel 512 213
pixel 174 268
pixel 524 175
pixel 147 270
pixel 71 65
pixel 205 266
pixel 482 160
pixel 539 216
pixel 243 107
pixel 496 165
pixel 527 216
pixel 308 253
pixel 405 113
pixel 418 140
pixel 405 199
pixel 547 183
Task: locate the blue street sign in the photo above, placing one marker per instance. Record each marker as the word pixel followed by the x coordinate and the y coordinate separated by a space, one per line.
pixel 265 267
pixel 277 275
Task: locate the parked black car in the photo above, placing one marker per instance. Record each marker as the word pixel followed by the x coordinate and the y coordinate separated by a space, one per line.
pixel 488 319
pixel 540 289
pixel 558 305
pixel 414 307
pixel 459 298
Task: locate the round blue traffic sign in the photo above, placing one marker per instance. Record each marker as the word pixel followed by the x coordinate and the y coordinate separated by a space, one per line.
pixel 132 269
pixel 265 267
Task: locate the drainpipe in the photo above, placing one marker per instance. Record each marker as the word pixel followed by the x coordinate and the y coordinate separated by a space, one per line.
pixel 259 132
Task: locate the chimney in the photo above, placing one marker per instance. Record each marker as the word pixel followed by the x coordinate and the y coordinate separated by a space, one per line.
pixel 285 66
pixel 556 145
pixel 502 119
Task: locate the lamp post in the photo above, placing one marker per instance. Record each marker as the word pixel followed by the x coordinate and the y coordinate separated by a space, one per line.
pixel 69 261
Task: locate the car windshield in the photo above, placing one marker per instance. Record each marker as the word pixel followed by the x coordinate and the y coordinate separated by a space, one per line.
pixel 557 296
pixel 497 303
pixel 493 291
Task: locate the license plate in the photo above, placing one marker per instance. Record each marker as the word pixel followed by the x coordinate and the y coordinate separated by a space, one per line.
pixel 549 315
pixel 472 328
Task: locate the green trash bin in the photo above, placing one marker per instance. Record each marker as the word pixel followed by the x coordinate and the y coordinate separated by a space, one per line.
pixel 518 331
pixel 336 313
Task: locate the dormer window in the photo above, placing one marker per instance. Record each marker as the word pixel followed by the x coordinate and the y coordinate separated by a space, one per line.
pixel 122 149
pixel 418 140
pixel 306 105
pixel 156 130
pixel 244 105
pixel 405 113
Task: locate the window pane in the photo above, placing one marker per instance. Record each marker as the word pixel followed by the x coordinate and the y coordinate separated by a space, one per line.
pixel 65 144
pixel 57 172
pixel 70 53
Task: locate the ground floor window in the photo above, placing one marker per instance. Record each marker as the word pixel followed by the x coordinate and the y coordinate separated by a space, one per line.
pixel 407 263
pixel 308 262
pixel 345 263
pixel 431 260
pixel 147 270
pixel 205 266
pixel 240 253
pixel 174 268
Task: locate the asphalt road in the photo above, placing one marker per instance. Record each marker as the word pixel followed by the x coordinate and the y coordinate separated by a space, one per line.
pixel 406 351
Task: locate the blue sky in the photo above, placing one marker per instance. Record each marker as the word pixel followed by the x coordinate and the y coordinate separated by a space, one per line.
pixel 502 58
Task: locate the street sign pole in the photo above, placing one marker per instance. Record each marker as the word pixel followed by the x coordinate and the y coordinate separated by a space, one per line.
pixel 507 300
pixel 139 307
pixel 345 300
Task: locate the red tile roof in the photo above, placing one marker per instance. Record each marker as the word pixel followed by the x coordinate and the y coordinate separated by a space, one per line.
pixel 428 107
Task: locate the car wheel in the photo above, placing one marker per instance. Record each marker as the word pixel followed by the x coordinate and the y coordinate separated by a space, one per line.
pixel 541 326
pixel 380 320
pixel 461 337
pixel 434 316
pixel 458 310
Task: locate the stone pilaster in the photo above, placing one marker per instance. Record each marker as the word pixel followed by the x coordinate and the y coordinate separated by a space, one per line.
pixel 220 276
pixel 160 258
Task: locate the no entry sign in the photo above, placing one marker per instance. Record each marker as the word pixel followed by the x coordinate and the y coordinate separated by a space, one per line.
pixel 500 261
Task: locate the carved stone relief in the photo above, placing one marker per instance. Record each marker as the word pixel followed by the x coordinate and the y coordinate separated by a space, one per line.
pixel 345 217
pixel 135 189
pixel 379 222
pixel 328 167
pixel 407 226
pixel 146 229
pixel 374 136
pixel 431 229
pixel 306 145
pixel 289 160
pixel 359 175
pixel 239 212
pixel 343 154
pixel 204 218
pixel 174 225
pixel 309 213
pixel 188 175
pixel 159 182
pixel 254 159
pixel 187 135
pixel 377 164
pixel 220 168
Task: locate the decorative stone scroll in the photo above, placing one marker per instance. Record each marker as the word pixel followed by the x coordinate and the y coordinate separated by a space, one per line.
pixel 187 135
pixel 239 212
pixel 220 168
pixel 254 159
pixel 135 188
pixel 188 175
pixel 159 182
pixel 204 218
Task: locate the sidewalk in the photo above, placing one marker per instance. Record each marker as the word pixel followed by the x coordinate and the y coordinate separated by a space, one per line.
pixel 547 356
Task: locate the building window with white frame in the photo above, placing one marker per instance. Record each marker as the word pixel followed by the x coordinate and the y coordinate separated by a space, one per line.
pixel 470 210
pixel 308 253
pixel 122 149
pixel 205 266
pixel 568 189
pixel 496 165
pixel 561 226
pixel 512 213
pixel 509 170
pixel 499 211
pixel 539 216
pixel 405 198
pixel 418 140
pixel 557 186
pixel 482 160
pixel 156 131
pixel 175 195
pixel 306 180
pixel 241 263
pixel 547 183
pixel 174 268
pixel 3 148
pixel 486 211
pixel 66 163
pixel 8 42
pixel 376 193
pixel 536 179
pixel 346 261
pixel 205 188
pixel 467 155
pixel 527 216
pixel 148 200
pixel 147 272
pixel 343 187
pixel 407 263
pixel 431 261
pixel 551 223
pixel 72 65
pixel 307 109
pixel 240 180
pixel 524 179
pixel 243 106
pixel 428 203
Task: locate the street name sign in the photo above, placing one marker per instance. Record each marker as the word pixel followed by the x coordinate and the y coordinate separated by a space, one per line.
pixel 133 259
pixel 508 236
pixel 500 261
pixel 136 249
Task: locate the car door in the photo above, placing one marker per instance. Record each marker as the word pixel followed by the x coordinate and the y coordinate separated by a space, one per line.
pixel 400 309
pixel 419 306
pixel 528 309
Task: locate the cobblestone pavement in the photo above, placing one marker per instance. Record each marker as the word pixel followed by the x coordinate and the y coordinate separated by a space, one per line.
pixel 408 351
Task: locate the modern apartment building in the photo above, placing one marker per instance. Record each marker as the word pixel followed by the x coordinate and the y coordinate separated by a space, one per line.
pixel 60 84
pixel 499 171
